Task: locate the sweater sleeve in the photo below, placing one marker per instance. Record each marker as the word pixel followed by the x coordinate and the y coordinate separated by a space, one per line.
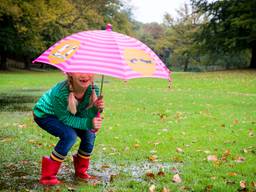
pixel 61 111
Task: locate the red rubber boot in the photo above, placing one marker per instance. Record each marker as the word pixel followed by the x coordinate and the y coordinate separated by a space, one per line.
pixel 50 169
pixel 81 166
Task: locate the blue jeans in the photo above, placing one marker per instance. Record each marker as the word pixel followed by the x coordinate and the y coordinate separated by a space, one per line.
pixel 67 135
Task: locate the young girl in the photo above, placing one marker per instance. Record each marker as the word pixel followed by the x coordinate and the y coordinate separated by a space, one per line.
pixel 69 110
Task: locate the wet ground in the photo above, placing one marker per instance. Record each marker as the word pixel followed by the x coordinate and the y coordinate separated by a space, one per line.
pixel 16 180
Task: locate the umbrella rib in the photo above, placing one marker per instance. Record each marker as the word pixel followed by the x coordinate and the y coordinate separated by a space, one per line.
pixel 121 54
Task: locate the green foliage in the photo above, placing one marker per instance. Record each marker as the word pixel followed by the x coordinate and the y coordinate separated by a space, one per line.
pixel 29 27
pixel 180 36
pixel 231 26
pixel 232 23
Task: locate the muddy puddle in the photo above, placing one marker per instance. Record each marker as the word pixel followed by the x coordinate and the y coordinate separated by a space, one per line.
pixel 105 172
pixel 17 180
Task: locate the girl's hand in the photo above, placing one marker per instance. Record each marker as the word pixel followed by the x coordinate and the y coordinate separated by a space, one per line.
pixel 97 122
pixel 99 103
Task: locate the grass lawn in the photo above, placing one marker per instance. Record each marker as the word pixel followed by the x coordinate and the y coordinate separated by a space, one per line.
pixel 200 135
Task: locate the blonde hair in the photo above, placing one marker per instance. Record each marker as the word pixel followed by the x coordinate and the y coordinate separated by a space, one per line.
pixel 72 101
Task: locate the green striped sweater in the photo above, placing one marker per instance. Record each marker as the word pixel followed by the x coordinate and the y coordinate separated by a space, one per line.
pixel 55 102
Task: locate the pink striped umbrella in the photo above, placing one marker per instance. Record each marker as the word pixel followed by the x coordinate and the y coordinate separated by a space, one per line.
pixel 105 52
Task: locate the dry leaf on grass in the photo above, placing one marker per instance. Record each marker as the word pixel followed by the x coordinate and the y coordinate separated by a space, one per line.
pixel 251 133
pixel 232 174
pixel 161 173
pixel 240 159
pixel 176 179
pixel 212 158
pixel 179 150
pixel 152 188
pixel 174 170
pixel 136 145
pixel 165 190
pixel 105 166
pixel 244 150
pixel 243 184
pixel 153 158
pixel 208 188
pixel 113 177
pixel 236 121
pixel 22 125
pixel 225 155
pixel 150 175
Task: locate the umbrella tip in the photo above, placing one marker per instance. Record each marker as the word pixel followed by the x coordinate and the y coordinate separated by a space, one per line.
pixel 109 27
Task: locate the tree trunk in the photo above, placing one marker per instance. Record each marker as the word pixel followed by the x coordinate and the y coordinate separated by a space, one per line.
pixel 253 58
pixel 186 67
pixel 27 63
pixel 3 62
pixel 42 66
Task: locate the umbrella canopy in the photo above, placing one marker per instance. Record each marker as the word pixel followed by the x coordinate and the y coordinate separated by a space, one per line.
pixel 105 52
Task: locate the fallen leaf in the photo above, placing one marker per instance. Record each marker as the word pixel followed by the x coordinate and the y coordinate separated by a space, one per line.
pixel 176 178
pixel 245 150
pixel 22 125
pixel 161 173
pixel 162 116
pixel 185 188
pixel 165 190
pixel 152 188
pixel 174 170
pixel 225 155
pixel 236 121
pixel 150 175
pixel 177 159
pixel 253 184
pixel 240 159
pixel 112 177
pixel 243 184
pixel 136 145
pixel 105 166
pixel 232 174
pixel 212 158
pixel 153 158
pixel 251 133
pixel 208 188
pixel 179 150
pixel 207 152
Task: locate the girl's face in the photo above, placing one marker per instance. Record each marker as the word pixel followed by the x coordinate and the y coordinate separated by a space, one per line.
pixel 81 80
